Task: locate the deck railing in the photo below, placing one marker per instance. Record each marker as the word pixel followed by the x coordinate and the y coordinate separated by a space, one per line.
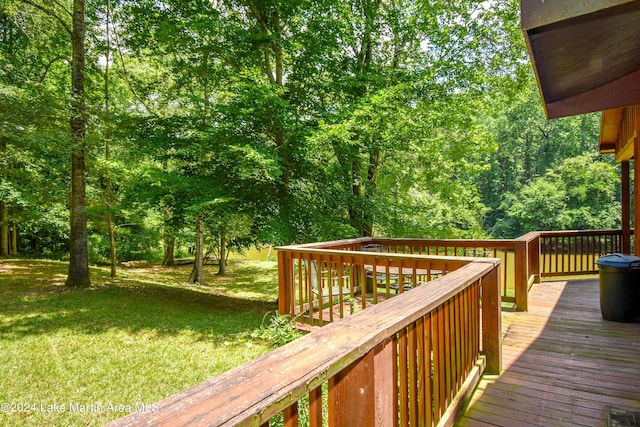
pixel 407 361
pixel 569 253
pixel 320 282
pixel 342 270
pixel 518 268
pixel 318 286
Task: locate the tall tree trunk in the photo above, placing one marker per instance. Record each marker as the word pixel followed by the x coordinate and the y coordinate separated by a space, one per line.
pixel 4 212
pixel 107 154
pixel 109 204
pixel 112 245
pixel 4 229
pixel 355 208
pixel 222 262
pixel 528 175
pixel 360 211
pixel 78 276
pixel 168 259
pixel 14 238
pixel 197 275
pixel 370 194
pixel 272 54
pixel 169 237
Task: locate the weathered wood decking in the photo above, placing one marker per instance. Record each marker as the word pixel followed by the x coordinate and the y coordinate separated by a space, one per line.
pixel 563 364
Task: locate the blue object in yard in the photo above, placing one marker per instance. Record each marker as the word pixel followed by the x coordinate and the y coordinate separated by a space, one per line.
pixel 620 287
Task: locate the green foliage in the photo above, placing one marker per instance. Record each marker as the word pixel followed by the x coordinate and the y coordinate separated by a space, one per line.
pixel 282 122
pixel 540 206
pixel 579 193
pixel 135 242
pixel 45 231
pixel 277 330
pixel 527 146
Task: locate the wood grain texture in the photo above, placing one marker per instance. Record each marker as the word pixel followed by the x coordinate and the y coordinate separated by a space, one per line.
pixel 345 354
pixel 563 364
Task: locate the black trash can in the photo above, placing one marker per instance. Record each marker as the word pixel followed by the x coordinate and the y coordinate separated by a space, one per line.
pixel 620 287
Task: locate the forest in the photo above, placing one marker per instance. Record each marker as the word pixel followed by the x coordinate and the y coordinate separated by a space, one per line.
pixel 144 129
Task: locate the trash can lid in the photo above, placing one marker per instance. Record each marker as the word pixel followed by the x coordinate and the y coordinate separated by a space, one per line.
pixel 618 260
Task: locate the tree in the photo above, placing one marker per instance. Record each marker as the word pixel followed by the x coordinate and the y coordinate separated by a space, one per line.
pixel 398 96
pixel 539 206
pixel 233 140
pixel 579 193
pixel 590 183
pixel 4 229
pixel 107 146
pixel 78 276
pixel 33 134
pixel 197 273
pixel 527 145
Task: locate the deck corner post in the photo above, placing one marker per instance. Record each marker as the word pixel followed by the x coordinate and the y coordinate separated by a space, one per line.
pixel 285 283
pixel 492 322
pixel 364 393
pixel 534 260
pixel 625 191
pixel 521 275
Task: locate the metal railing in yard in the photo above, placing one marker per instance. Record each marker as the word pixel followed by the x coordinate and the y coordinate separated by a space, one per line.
pixel 410 360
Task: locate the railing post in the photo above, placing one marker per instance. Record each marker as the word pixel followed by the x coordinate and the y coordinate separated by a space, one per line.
pixel 636 192
pixel 626 206
pixel 285 283
pixel 521 272
pixel 364 394
pixel 534 259
pixel 492 321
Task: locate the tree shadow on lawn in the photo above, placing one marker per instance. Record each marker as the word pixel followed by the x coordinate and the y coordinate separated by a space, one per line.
pixel 42 306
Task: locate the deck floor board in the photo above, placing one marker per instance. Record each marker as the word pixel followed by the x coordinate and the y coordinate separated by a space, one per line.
pixel 563 364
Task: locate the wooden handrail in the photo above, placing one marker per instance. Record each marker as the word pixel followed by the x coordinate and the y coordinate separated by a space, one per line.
pixel 524 261
pixel 567 233
pixel 403 359
pixel 510 253
pixel 335 244
pixel 574 252
pixel 361 273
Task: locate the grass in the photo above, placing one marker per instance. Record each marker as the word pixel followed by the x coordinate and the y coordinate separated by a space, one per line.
pixel 87 357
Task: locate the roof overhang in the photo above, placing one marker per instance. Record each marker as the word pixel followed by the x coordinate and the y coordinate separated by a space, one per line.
pixel 610 130
pixel 585 53
pixel 619 128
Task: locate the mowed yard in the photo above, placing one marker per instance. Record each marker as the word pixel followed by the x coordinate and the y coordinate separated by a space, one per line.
pixel 86 357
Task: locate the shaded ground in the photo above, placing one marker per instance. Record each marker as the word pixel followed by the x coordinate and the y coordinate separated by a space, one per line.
pixel 134 339
pixel 564 365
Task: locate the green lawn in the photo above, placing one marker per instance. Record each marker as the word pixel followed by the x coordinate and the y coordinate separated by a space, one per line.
pixel 70 358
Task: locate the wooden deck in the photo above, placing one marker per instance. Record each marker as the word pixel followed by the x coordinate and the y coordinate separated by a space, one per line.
pixel 563 364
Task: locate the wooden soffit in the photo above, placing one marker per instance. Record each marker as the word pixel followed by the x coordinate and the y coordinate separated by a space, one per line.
pixel 585 53
pixel 619 128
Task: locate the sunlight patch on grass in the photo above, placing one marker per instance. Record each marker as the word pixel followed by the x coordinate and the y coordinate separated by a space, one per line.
pixel 132 340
